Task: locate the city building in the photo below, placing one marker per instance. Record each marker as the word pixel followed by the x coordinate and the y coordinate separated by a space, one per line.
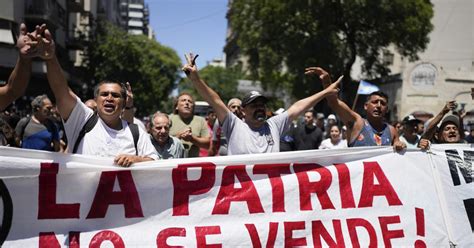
pixel 135 17
pixel 444 71
pixel 70 22
pixel 55 13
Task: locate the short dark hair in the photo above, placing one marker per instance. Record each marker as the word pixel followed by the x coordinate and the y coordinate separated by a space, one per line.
pixel 377 93
pixel 123 88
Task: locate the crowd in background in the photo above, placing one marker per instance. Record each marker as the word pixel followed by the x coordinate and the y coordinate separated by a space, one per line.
pixel 107 126
pixel 310 131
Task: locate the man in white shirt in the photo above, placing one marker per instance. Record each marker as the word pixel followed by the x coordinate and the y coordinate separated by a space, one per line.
pixel 256 134
pixel 110 136
pixel 410 131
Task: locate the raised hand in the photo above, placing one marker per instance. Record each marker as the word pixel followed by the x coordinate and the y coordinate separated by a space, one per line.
pixel 26 42
pixel 47 46
pixel 36 44
pixel 190 67
pixel 129 101
pixel 450 105
pixel 333 89
pixel 321 73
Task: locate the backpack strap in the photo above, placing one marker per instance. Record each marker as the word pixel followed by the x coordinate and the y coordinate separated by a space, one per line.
pixel 136 134
pixel 23 127
pixel 90 124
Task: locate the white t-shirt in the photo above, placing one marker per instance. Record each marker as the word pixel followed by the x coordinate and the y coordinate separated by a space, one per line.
pixel 241 139
pixel 102 140
pixel 327 144
pixel 410 145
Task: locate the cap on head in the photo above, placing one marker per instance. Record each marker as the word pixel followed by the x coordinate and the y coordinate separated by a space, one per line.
pixel 252 96
pixel 410 118
pixel 332 117
pixel 449 118
pixel 319 116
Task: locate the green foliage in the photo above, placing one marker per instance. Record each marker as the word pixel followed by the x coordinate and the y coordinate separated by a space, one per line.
pixel 151 69
pixel 223 80
pixel 282 37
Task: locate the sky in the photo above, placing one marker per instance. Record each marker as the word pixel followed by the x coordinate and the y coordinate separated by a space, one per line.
pixel 197 26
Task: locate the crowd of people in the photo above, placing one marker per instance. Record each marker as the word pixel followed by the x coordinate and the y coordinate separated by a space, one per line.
pixel 106 126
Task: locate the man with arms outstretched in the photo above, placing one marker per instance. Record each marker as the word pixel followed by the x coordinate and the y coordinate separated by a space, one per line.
pixel 373 131
pixel 256 134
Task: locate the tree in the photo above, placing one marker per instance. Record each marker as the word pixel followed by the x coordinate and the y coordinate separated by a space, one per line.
pixel 223 80
pixel 151 69
pixel 281 38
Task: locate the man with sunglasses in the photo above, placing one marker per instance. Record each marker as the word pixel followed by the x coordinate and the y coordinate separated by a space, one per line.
pixel 107 135
pixel 256 133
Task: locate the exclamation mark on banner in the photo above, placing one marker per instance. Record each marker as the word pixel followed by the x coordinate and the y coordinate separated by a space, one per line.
pixel 420 227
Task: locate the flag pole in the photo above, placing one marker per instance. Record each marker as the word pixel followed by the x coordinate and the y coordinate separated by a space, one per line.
pixel 356 98
pixel 355 101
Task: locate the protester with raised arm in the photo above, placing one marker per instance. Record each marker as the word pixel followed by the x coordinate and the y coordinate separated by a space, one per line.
pixel 256 134
pixel 20 75
pixel 373 131
pixel 103 134
pixel 443 128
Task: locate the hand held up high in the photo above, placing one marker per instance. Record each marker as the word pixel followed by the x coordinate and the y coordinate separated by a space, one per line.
pixel 190 67
pixel 333 89
pixel 27 42
pixel 36 44
pixel 321 73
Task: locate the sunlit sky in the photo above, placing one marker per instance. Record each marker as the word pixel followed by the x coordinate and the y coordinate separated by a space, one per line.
pixel 197 26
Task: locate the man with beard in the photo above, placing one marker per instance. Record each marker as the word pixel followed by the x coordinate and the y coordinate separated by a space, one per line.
pixel 189 128
pixel 256 134
pixel 107 135
pixel 373 131
pixel 167 146
pixel 307 136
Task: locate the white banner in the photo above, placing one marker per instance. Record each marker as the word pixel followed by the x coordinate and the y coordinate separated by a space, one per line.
pixel 359 197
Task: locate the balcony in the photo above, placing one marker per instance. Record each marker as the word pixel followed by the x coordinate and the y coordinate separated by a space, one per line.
pixel 75 6
pixel 45 11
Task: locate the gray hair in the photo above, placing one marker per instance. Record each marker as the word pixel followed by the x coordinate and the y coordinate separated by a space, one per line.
pixel 159 114
pixel 38 102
